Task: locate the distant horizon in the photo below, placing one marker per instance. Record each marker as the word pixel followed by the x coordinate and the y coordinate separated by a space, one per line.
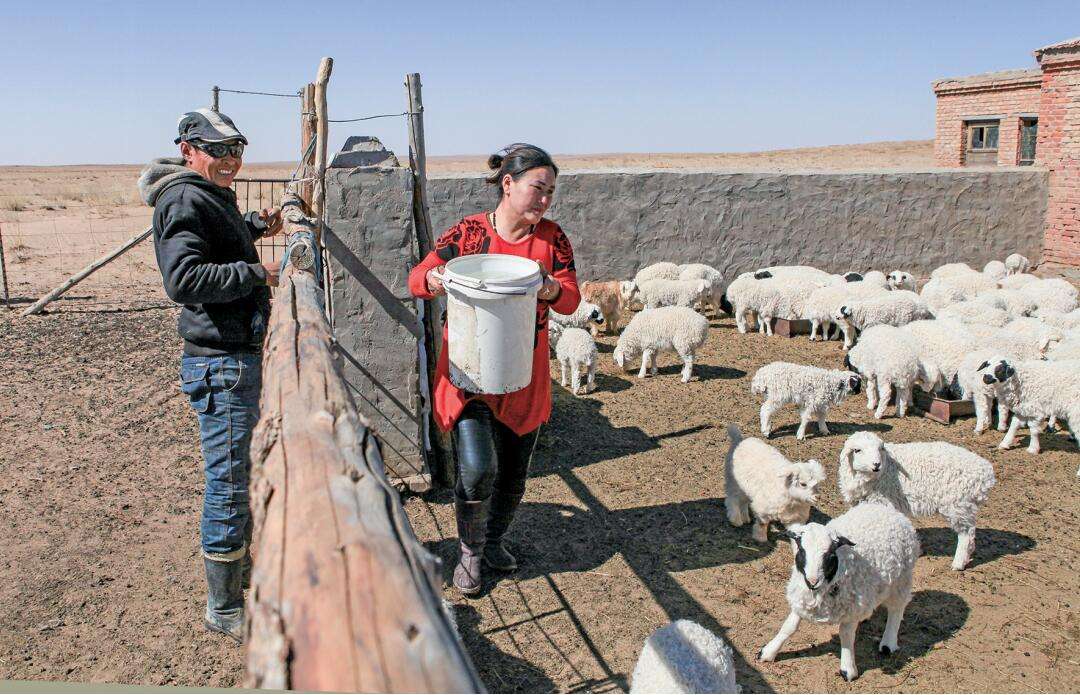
pixel 293 162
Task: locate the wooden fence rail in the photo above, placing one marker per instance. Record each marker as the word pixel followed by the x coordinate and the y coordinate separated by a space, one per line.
pixel 343 597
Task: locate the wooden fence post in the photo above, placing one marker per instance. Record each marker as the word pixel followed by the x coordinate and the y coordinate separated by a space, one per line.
pixel 440 458
pixel 321 134
pixel 307 137
pixel 343 596
pixel 3 270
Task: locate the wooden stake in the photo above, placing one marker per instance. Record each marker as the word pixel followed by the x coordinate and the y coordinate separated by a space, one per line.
pixel 307 135
pixel 86 272
pixel 3 270
pixel 321 134
pixel 214 98
pixel 439 461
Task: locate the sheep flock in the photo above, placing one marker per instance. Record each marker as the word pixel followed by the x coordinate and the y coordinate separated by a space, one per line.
pixel 999 336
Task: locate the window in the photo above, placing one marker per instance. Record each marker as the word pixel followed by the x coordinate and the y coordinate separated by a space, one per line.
pixel 983 137
pixel 1029 135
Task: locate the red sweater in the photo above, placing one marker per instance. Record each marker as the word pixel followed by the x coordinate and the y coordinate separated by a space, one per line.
pixel 525 410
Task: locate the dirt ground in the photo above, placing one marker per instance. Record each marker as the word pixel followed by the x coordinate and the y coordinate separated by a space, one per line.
pixel 623 529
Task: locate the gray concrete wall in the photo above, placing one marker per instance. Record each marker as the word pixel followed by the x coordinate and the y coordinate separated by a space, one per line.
pixel 916 221
pixel 370 240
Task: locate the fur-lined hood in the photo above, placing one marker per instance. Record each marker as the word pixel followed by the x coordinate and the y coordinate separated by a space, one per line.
pixel 161 173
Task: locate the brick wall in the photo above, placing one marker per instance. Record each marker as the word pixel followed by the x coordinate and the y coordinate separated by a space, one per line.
pixel 1058 149
pixel 958 99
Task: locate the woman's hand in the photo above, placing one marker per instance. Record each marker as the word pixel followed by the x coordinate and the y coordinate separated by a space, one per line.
pixel 434 284
pixel 550 289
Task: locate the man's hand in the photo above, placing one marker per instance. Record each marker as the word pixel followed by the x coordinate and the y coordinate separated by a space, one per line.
pixel 551 288
pixel 272 218
pixel 273 270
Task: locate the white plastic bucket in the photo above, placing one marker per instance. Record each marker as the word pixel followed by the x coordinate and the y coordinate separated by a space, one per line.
pixel 491 321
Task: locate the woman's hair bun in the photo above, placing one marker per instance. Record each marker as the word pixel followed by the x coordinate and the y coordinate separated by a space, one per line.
pixel 495 162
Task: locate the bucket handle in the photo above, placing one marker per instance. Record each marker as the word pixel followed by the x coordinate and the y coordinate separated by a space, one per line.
pixel 478 285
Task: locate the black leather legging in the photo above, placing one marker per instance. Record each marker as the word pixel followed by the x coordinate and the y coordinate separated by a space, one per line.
pixel 490 456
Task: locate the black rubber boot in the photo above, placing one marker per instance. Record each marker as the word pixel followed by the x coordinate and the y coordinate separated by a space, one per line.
pixel 225 599
pixel 496 555
pixel 472 534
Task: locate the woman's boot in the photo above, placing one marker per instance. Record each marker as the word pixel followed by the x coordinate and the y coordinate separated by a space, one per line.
pixel 472 534
pixel 503 506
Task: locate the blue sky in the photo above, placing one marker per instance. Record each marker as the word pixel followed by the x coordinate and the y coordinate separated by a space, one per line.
pixel 105 82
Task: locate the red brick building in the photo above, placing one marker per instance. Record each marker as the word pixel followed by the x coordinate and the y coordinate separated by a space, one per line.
pixel 1017 118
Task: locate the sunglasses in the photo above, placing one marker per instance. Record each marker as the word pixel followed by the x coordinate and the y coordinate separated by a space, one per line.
pixel 217 150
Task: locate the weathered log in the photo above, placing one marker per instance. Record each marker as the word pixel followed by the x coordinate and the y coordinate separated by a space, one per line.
pixel 322 133
pixel 343 597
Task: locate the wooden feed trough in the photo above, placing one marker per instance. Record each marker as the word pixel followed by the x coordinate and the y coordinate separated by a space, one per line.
pixel 790 328
pixel 942 410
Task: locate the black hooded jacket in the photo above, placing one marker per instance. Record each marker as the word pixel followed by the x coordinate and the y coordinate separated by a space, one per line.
pixel 208 260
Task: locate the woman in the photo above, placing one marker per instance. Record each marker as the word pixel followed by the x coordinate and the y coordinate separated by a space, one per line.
pixel 494 435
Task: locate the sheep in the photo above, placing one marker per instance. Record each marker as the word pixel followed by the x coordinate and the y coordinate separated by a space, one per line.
pixel 669 328
pixel 888 359
pixel 820 306
pixel 758 478
pixel 894 308
pixel 900 280
pixel 738 294
pixel 982 394
pixel 783 298
pixel 555 331
pixel 975 312
pixel 805 272
pixel 1016 264
pixel 1033 331
pixel 1013 302
pixel 942 291
pixel 813 389
pixel 657 271
pixel 684 657
pixel 1065 350
pixel 1052 293
pixel 700 271
pixel 1035 392
pixel 843 571
pixel 876 278
pixel 576 351
pixel 584 316
pixel 1015 282
pixel 995 270
pixel 944 344
pixel 608 296
pixel 951 269
pixel 1063 321
pixel 919 479
pixel 658 293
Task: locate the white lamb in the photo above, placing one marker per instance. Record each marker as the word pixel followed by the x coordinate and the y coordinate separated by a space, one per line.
pixel 876 278
pixel 995 270
pixel 942 291
pixel 1015 282
pixel 805 272
pixel 894 308
pixel 657 293
pixel 1033 331
pixel 1016 264
pixel 1036 392
pixel 576 352
pixel 822 304
pixel 657 271
pixel 584 316
pixel 715 280
pixel 778 298
pixel 920 479
pixel 1053 293
pixel 1065 350
pixel 974 389
pixel 900 280
pixel 943 343
pixel 555 331
pixel 888 359
pixel 951 269
pixel 1063 321
pixel 975 312
pixel 667 329
pixel 1013 302
pixel 813 389
pixel 843 571
pixel 738 295
pixel 761 480
pixel 684 657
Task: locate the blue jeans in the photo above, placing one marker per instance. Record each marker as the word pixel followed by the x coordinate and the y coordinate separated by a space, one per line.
pixel 224 393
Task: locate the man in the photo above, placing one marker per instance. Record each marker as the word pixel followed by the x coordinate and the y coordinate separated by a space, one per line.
pixel 209 264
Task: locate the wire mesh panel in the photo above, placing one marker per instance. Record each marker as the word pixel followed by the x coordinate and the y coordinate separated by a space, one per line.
pixel 257 194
